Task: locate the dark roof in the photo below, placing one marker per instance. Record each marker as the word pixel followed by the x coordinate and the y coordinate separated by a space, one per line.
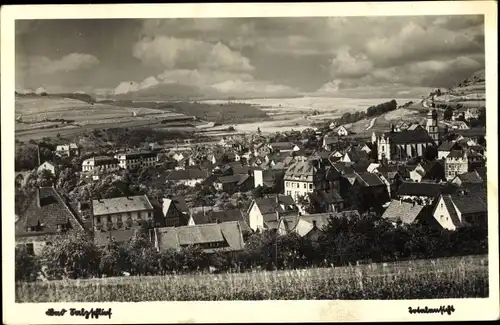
pixel 229 233
pixel 409 136
pixel 420 189
pixel 139 154
pixel 282 145
pixel 225 216
pixel 47 209
pixel 448 202
pixel 268 204
pixel 447 146
pixel 404 211
pixel 456 154
pixel 470 203
pixel 472 132
pixel 330 197
pixel 481 172
pixel 470 177
pixel 369 179
pixel 191 173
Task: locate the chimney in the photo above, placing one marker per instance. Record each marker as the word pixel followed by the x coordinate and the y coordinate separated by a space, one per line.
pixel 38 203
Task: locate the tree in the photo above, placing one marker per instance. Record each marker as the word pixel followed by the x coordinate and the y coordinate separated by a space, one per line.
pixel 430 153
pixel 73 255
pixel 111 260
pixel 141 255
pixel 448 113
pixel 27 266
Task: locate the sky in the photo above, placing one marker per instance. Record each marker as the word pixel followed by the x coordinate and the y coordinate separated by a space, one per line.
pixel 351 57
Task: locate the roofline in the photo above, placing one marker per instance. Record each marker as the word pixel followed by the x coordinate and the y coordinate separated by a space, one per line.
pixel 67 208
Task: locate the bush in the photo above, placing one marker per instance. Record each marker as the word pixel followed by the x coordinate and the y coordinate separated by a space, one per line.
pixel 27 266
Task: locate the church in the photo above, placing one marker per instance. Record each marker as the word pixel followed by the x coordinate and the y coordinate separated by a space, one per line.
pixel 409 143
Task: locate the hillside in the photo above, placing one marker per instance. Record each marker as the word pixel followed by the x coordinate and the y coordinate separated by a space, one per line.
pixel 468 93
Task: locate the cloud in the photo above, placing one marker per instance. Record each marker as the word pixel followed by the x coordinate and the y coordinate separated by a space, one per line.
pixel 171 52
pixel 41 65
pixel 346 65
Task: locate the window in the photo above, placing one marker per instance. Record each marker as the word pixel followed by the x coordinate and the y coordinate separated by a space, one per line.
pixel 108 218
pixel 30 248
pixel 97 219
pixel 310 186
pixel 297 185
pixel 305 185
pixel 441 217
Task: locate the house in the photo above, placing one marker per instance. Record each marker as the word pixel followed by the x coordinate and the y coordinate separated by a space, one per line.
pixel 310 226
pixel 47 217
pixel 366 148
pixel 303 177
pixel 188 177
pixel 132 160
pixel 272 178
pixel 262 212
pixel 425 192
pixel 355 156
pixel 401 126
pixel 178 156
pixel 330 142
pixel 462 161
pixel 476 134
pixel 371 190
pixel 234 183
pixel 446 147
pixel 48 166
pixel 262 150
pixel 342 131
pixel 326 201
pixel 174 213
pixel 100 163
pixel 471 113
pixel 119 218
pixel 219 217
pixel 455 211
pixel 404 212
pixel 458 125
pixel 469 178
pixel 283 147
pixel 67 150
pixel 432 170
pixel 210 237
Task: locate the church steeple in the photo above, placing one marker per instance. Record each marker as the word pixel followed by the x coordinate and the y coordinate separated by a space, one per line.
pixel 432 125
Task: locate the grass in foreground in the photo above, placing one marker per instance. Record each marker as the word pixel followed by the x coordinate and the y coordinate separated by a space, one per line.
pixel 457 278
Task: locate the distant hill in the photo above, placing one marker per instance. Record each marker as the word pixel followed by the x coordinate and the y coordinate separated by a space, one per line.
pixel 78 96
pixel 470 92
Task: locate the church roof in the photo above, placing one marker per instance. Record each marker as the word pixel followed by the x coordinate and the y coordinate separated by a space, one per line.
pixel 409 136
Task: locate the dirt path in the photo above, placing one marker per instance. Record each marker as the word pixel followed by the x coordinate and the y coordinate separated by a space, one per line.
pixel 371 123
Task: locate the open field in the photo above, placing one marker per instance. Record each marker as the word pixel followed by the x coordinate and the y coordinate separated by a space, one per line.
pixel 464 277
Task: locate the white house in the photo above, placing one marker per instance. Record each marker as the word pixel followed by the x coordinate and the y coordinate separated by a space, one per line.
pixel 48 166
pixel 454 211
pixel 342 131
pixel 188 177
pixel 98 163
pixel 264 213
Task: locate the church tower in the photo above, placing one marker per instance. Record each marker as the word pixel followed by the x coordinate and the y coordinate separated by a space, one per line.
pixel 432 125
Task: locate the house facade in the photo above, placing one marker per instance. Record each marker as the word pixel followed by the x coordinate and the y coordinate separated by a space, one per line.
pixel 49 167
pixel 137 159
pixel 262 213
pixel 455 211
pixel 47 217
pixel 302 178
pixel 100 163
pixel 68 150
pixel 188 177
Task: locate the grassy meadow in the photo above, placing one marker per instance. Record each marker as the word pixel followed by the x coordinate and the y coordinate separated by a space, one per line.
pixel 465 277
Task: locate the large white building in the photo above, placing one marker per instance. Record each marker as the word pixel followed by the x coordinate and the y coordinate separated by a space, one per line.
pixel 432 125
pixel 99 163
pixel 137 159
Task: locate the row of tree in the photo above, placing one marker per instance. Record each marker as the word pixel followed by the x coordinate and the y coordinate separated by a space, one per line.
pixel 343 241
pixel 371 111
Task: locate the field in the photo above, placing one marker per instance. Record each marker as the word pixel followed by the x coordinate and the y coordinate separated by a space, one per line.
pixel 464 277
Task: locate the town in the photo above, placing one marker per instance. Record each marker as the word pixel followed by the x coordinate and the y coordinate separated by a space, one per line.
pixel 223 201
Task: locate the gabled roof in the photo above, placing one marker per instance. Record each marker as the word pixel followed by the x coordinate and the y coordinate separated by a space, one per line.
pixel 447 146
pixel 268 204
pixel 221 216
pixel 121 205
pixel 481 171
pixel 47 209
pixel 470 177
pixel 301 169
pixel 303 224
pixel 420 189
pixel 367 179
pixel 229 233
pixel 282 145
pixel 404 211
pixel 470 203
pixel 103 238
pixel 472 132
pixel 455 154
